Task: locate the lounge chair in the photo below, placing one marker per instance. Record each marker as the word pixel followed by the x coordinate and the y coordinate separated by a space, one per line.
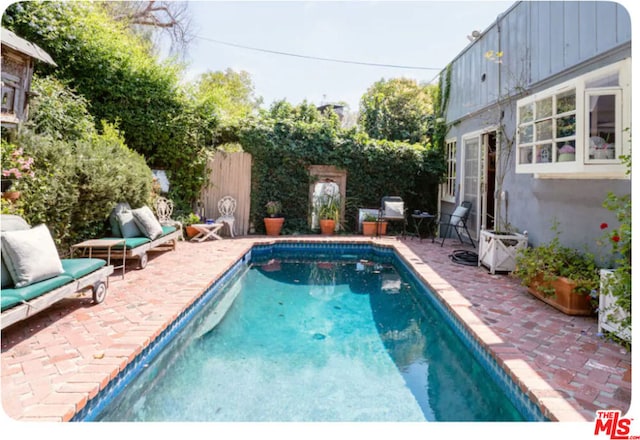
pixel 456 221
pixel 142 233
pixel 33 275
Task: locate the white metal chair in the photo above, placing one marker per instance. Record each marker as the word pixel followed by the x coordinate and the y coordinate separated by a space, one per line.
pixel 392 209
pixel 164 210
pixel 227 209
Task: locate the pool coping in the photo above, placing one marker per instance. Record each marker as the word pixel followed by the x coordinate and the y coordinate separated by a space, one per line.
pixel 552 404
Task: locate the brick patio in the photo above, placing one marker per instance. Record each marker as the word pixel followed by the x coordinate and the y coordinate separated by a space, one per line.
pixel 54 362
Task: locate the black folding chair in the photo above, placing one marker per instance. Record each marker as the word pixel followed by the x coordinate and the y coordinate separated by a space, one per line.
pixel 456 221
pixel 392 210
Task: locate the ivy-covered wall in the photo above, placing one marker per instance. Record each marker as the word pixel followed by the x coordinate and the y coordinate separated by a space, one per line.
pixel 284 148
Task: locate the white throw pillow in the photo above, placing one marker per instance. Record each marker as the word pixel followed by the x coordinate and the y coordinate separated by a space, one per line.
pixel 128 226
pixel 30 255
pixel 394 209
pixel 147 222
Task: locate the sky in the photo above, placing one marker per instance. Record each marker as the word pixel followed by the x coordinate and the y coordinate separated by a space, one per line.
pixel 426 34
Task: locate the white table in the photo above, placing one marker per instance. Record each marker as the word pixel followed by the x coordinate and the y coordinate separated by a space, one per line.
pixel 207 231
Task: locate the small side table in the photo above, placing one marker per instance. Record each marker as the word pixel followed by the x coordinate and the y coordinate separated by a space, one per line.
pixel 417 222
pixel 108 244
pixel 207 231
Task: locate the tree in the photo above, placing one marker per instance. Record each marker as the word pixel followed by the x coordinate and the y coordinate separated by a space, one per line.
pixel 153 19
pixel 398 109
pixel 229 94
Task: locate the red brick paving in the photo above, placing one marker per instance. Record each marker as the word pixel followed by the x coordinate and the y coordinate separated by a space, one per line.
pixel 56 361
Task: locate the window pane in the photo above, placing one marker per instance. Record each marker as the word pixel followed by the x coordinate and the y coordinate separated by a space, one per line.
pixel 544 108
pixel 526 113
pixel 602 126
pixel 543 154
pixel 526 134
pixel 610 80
pixel 566 126
pixel 526 155
pixel 566 102
pixel 544 130
pixel 567 152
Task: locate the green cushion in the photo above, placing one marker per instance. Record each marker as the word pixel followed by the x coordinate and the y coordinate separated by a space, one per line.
pixel 12 297
pixel 166 230
pixel 79 267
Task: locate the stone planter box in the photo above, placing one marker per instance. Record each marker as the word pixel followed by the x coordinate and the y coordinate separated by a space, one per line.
pixel 608 312
pixel 497 251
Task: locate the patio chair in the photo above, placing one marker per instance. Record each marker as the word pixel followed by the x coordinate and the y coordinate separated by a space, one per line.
pixel 164 210
pixel 227 209
pixel 392 210
pixel 456 221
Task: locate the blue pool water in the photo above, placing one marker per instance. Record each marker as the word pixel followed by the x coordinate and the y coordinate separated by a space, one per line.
pixel 299 337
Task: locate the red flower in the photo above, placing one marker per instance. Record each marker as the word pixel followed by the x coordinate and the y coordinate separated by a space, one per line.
pixel 616 238
pixel 603 226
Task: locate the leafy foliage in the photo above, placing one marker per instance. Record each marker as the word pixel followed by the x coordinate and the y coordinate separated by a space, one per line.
pixel 80 173
pixel 121 82
pixel 398 109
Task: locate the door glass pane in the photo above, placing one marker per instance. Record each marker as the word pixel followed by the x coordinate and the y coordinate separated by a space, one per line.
pixel 471 181
pixel 602 126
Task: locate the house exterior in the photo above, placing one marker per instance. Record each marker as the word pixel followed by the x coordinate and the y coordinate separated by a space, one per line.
pixel 539 110
pixel 18 60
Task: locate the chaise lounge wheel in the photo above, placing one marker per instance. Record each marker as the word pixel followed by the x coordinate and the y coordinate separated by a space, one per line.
pixel 99 292
pixel 143 261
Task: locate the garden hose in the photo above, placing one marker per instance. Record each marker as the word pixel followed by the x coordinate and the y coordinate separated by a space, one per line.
pixel 468 258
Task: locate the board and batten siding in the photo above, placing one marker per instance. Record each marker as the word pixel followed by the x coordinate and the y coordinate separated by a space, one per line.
pixel 539 40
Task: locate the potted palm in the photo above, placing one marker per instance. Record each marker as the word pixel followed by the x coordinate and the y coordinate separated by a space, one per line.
pixel 274 220
pixel 369 223
pixel 560 276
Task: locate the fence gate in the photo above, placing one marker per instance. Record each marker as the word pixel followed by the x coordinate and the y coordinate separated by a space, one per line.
pixel 229 175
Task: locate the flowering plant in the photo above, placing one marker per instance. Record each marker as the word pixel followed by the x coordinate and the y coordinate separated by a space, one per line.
pixel 273 208
pixel 15 164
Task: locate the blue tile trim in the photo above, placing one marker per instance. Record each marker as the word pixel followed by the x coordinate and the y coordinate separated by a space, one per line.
pixel 342 251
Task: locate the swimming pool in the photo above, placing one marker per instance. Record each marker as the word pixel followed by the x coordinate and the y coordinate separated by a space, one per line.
pixel 369 337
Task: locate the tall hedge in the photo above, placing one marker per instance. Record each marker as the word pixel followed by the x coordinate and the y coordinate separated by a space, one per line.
pixel 123 82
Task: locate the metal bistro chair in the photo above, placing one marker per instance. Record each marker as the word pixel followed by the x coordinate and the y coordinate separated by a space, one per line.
pixel 456 221
pixel 164 210
pixel 392 209
pixel 227 209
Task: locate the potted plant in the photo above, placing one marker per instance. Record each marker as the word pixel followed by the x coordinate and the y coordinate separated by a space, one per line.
pixel 369 223
pixel 560 276
pixel 328 211
pixel 188 220
pixel 274 220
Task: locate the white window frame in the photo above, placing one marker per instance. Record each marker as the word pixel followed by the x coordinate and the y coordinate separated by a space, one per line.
pixel 583 166
pixel 448 188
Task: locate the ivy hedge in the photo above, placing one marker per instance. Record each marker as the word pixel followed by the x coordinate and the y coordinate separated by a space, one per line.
pixel 285 141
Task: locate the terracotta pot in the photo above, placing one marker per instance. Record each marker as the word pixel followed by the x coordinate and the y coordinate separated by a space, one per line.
pixel 273 225
pixel 382 228
pixel 369 228
pixel 11 195
pixel 565 298
pixel 327 227
pixel 191 232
